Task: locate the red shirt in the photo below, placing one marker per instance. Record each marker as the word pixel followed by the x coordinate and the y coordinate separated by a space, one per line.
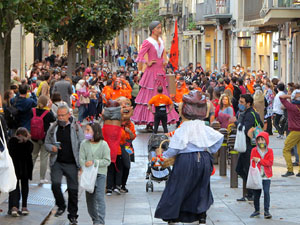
pixel 293 111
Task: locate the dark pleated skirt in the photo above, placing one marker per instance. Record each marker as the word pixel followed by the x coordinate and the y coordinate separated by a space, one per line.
pixel 187 193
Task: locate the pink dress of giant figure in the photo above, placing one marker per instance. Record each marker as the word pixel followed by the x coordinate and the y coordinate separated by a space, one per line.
pixel 153 77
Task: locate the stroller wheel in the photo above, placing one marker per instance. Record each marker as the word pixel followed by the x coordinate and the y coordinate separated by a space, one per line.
pixel 146 188
pixel 152 188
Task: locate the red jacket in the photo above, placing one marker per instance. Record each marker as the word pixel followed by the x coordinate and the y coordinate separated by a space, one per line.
pixel 268 159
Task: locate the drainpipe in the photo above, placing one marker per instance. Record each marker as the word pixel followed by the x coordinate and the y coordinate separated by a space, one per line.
pixel 291 57
pixel 279 53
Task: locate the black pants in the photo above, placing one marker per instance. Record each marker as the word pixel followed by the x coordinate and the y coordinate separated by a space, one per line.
pixel 277 125
pixel 70 171
pixel 125 176
pixel 257 194
pixel 164 119
pixel 15 195
pixel 114 174
pixel 269 126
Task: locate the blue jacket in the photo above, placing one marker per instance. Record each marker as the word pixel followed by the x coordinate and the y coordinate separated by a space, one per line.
pixel 24 105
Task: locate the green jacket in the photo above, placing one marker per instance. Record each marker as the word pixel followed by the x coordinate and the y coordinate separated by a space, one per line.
pixel 98 152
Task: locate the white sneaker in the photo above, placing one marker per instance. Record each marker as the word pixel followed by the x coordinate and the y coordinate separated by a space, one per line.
pixel 45 181
pixel 117 191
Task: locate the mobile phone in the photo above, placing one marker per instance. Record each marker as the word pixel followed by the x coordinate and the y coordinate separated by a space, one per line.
pixel 57 144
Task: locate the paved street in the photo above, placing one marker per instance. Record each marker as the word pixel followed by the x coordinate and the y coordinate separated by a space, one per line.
pixel 138 207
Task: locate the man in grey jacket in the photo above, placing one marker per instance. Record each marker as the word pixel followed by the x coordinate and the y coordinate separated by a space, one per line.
pixel 63 142
pixel 64 88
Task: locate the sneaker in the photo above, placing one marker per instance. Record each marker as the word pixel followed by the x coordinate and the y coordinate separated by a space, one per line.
pixel 24 211
pixel 267 215
pixel 45 181
pixel 117 191
pixel 124 190
pixel 298 175
pixel 108 192
pixel 287 174
pixel 243 199
pixel 59 212
pixel 73 221
pixel 255 214
pixel 14 212
pixel 280 136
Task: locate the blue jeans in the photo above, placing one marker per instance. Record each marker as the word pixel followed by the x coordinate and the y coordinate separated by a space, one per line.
pixel 266 187
pixel 96 201
pixel 82 112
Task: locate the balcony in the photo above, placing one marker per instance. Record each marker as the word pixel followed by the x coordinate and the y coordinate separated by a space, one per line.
pixel 270 12
pixel 165 10
pixel 217 9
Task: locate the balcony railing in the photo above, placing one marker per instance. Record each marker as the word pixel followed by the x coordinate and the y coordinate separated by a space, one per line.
pixel 257 9
pixel 217 7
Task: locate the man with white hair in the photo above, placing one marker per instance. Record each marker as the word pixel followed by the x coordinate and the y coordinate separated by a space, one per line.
pixel 63 142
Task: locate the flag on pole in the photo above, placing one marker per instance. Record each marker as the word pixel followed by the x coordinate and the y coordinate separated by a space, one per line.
pixel 174 53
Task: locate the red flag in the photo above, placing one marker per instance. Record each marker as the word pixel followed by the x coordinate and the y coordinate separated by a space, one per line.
pixel 174 53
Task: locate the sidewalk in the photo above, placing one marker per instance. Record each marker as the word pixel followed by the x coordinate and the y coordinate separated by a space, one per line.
pixel 138 207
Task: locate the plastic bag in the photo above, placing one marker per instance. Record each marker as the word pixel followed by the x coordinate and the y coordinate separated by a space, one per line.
pixel 254 180
pixel 240 140
pixel 88 177
pixel 8 179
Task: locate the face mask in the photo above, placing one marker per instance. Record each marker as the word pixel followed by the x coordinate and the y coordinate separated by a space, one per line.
pixel 242 108
pixel 88 136
pixel 15 95
pixel 233 70
pixel 213 78
pixel 262 145
pixel 61 123
pixel 253 74
pixel 34 78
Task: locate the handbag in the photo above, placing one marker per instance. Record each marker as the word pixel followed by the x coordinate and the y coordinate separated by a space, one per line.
pixel 256 131
pixel 89 176
pixel 84 100
pixel 254 180
pixel 240 140
pixel 8 179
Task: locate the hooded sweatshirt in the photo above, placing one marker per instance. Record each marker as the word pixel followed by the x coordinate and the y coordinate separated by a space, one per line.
pixel 266 158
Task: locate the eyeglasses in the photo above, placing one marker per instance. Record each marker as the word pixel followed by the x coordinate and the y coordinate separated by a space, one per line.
pixel 62 115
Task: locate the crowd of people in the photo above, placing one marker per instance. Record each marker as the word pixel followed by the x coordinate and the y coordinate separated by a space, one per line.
pixel 56 116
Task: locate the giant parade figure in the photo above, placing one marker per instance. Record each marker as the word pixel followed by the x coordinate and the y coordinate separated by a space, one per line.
pixel 153 55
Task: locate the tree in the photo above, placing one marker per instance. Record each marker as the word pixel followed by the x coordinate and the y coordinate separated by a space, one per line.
pixel 11 13
pixel 96 20
pixel 148 12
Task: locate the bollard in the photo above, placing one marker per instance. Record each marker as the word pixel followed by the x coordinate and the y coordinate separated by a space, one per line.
pixel 234 159
pixel 216 126
pixel 223 153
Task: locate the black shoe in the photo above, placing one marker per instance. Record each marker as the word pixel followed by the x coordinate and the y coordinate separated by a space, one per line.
pixel 287 174
pixel 267 215
pixel 255 214
pixel 73 221
pixel 59 212
pixel 124 190
pixel 147 176
pixel 202 221
pixel 295 164
pixel 250 199
pixel 243 199
pixel 298 175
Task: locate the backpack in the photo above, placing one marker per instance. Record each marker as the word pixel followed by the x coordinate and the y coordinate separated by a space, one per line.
pixel 10 114
pixel 37 125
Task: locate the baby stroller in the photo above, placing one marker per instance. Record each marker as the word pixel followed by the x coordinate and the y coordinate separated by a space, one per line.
pixel 156 173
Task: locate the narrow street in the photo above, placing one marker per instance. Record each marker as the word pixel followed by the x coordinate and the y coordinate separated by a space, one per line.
pixel 138 206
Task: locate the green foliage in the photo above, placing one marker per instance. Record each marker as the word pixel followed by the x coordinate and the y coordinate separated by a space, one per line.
pixel 147 13
pixel 82 20
pixel 191 25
